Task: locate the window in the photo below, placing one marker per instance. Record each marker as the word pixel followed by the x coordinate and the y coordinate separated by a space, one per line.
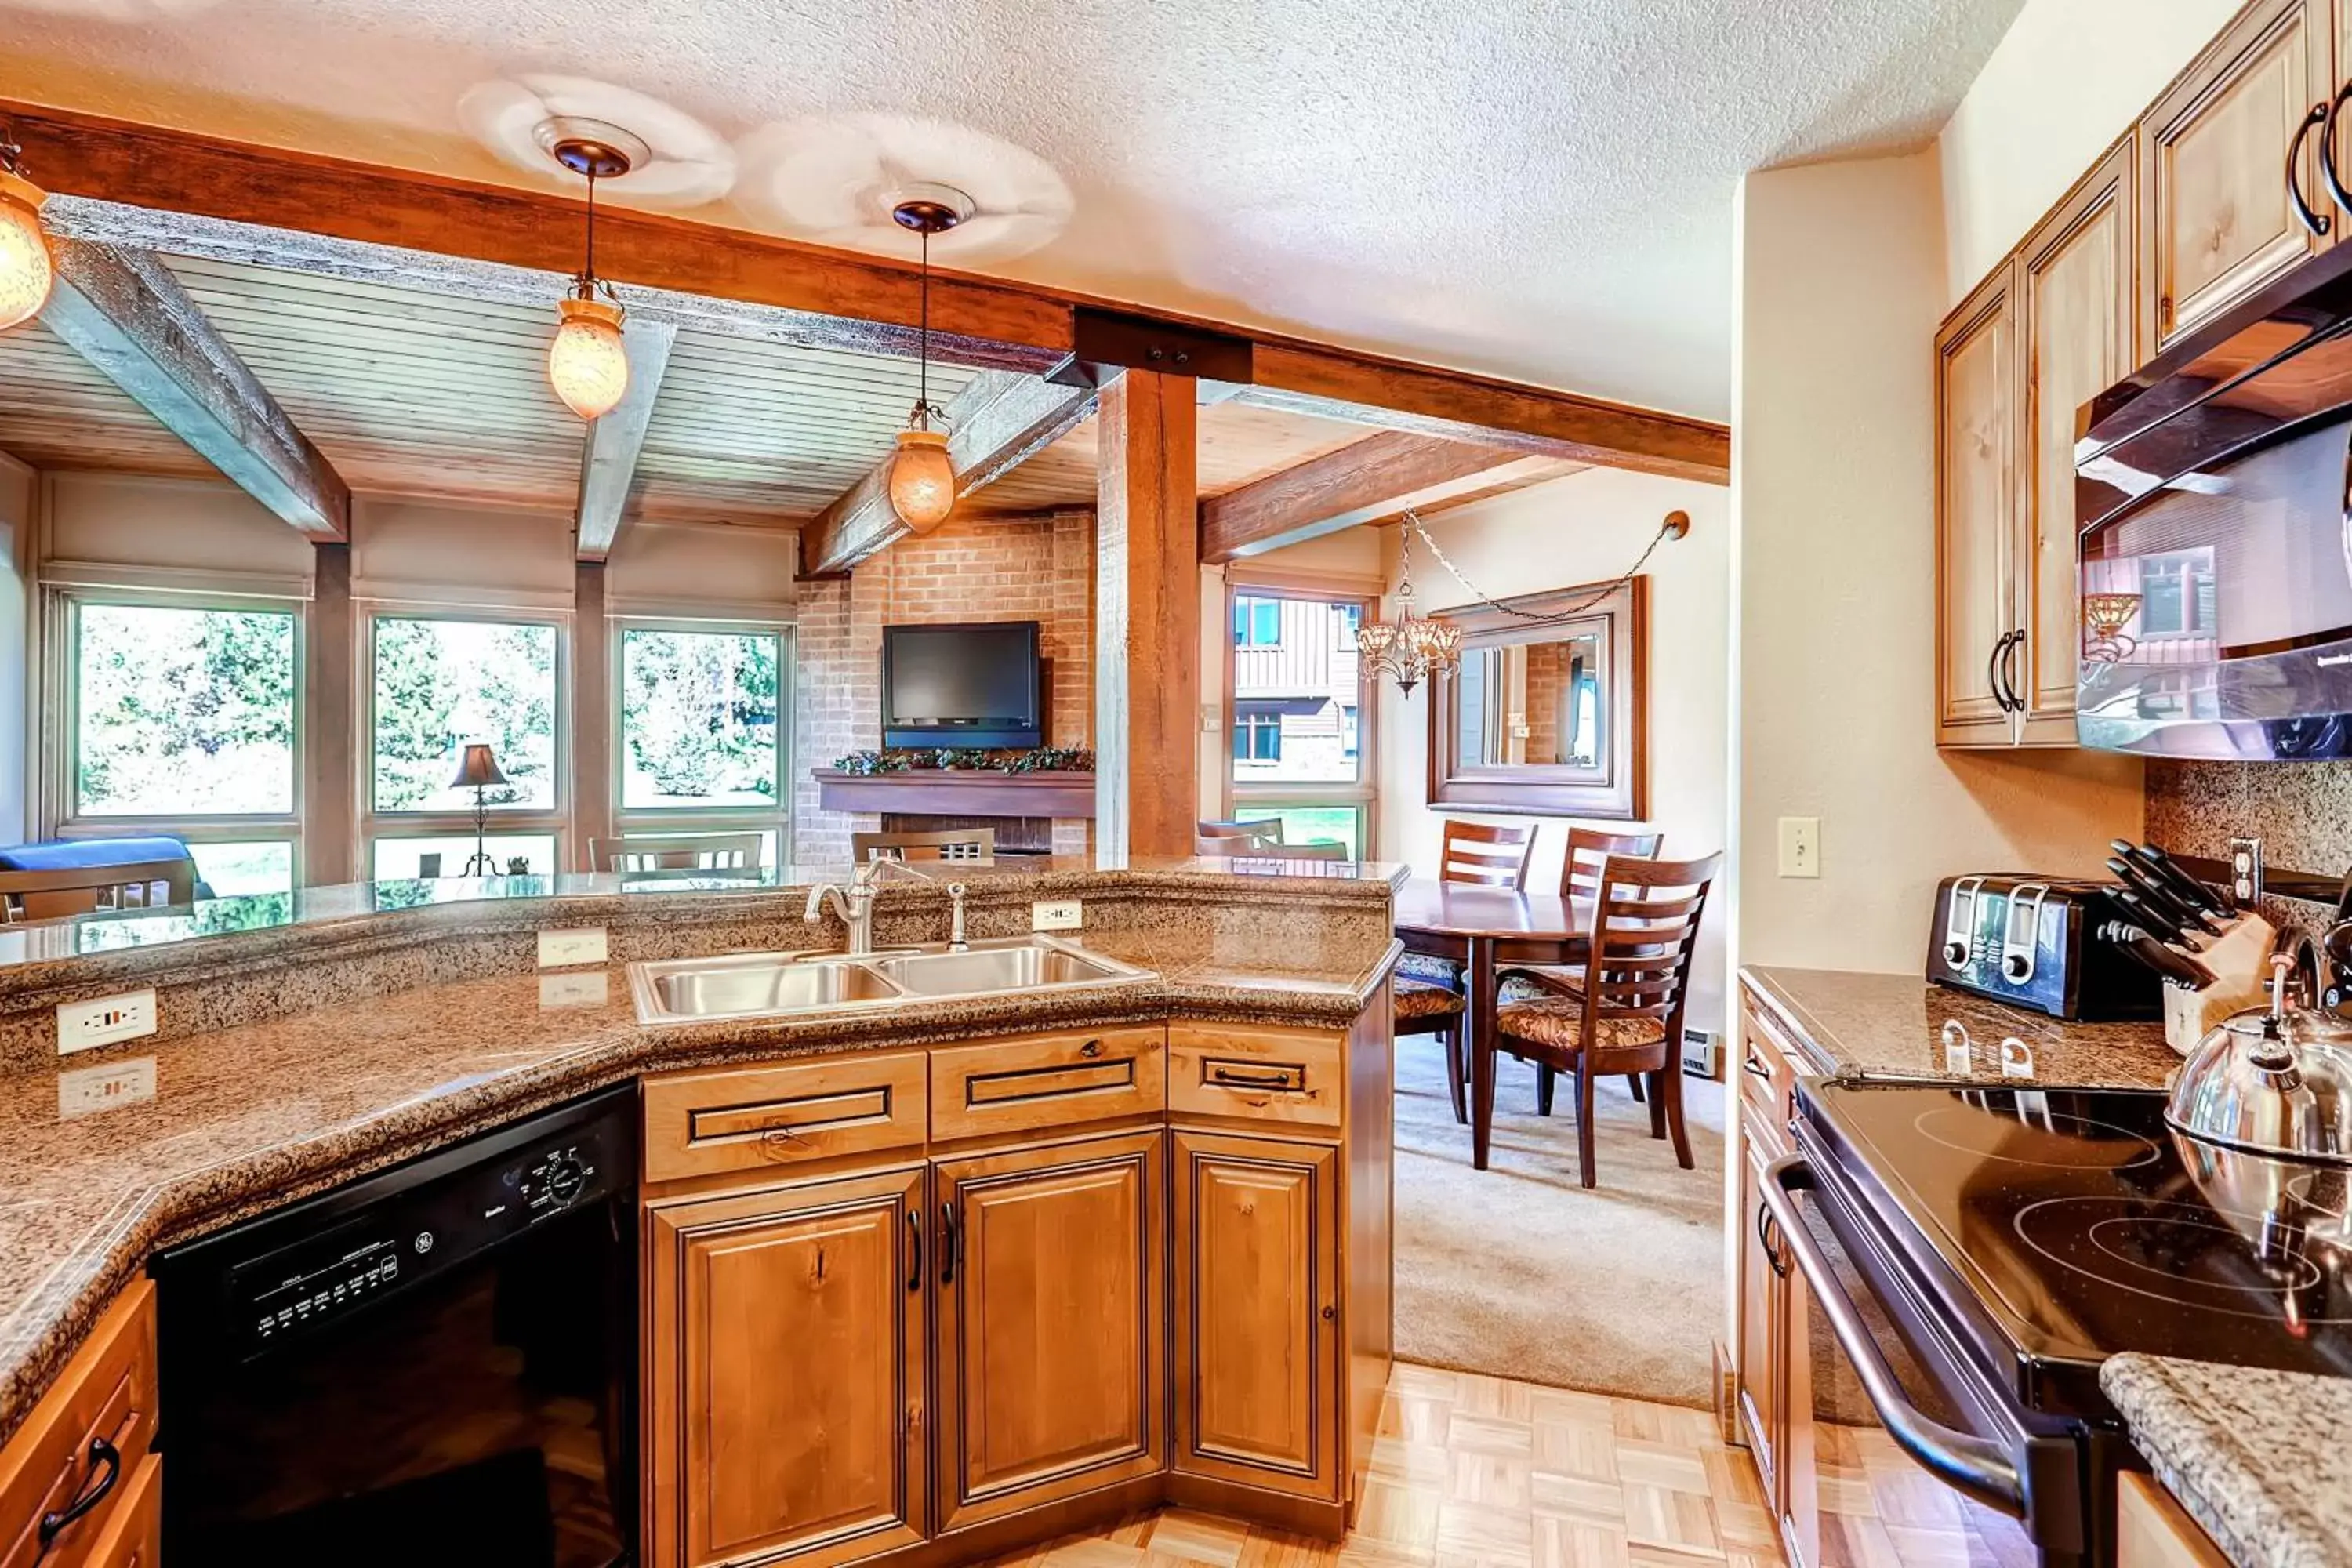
pixel 438 684
pixel 2177 594
pixel 182 720
pixel 1257 737
pixel 701 744
pixel 1299 734
pixel 1257 623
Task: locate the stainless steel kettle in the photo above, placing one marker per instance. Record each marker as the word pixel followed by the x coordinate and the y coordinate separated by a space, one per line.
pixel 2275 1080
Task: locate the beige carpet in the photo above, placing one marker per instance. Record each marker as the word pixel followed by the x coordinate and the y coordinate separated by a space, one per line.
pixel 1516 1271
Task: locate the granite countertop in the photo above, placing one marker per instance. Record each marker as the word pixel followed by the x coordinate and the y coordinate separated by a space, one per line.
pixel 2255 1457
pixel 246 1118
pixel 1894 1028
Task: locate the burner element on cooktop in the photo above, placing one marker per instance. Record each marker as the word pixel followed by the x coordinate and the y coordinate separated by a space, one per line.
pixel 2049 1138
pixel 2187 1256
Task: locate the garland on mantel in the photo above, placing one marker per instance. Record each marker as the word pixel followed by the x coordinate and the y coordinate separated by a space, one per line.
pixel 968 759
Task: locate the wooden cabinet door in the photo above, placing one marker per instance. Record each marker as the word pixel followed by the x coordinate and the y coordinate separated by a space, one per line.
pixel 1976 510
pixel 1257 1264
pixel 1760 1298
pixel 786 1346
pixel 2074 280
pixel 2213 166
pixel 1051 1322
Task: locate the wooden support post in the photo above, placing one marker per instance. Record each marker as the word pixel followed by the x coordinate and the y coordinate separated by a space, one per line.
pixel 124 312
pixel 330 737
pixel 593 726
pixel 1146 617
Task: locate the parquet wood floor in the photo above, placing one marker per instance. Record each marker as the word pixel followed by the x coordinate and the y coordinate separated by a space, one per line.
pixel 1481 1472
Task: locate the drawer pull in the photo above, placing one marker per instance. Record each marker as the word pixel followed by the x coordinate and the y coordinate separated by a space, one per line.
pixel 1754 1067
pixel 1281 1078
pixel 106 1462
pixel 1091 1050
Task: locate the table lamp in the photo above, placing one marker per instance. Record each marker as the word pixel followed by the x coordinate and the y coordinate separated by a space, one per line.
pixel 479 770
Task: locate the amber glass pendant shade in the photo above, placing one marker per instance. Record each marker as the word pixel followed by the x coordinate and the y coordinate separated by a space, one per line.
pixel 27 268
pixel 922 479
pixel 589 367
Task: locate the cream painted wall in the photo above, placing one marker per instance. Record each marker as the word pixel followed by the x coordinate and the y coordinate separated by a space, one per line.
pixel 19 493
pixel 1588 528
pixel 1840 275
pixel 2068 78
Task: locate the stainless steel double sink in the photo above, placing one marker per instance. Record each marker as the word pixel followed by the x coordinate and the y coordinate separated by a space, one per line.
pixel 781 985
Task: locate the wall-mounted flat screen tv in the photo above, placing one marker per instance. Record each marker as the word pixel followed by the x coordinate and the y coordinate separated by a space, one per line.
pixel 976 684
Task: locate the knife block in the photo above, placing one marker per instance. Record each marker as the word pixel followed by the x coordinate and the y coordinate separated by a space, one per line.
pixel 2240 960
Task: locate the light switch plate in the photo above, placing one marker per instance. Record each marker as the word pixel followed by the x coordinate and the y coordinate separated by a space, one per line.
pixel 560 949
pixel 104 1020
pixel 1800 847
pixel 107 1086
pixel 1065 915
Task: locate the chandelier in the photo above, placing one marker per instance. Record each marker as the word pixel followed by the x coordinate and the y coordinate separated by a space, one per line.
pixel 1410 646
pixel 2107 614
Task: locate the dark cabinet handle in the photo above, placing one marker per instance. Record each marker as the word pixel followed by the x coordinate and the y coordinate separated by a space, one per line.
pixel 1233 1079
pixel 1091 1050
pixel 107 1461
pixel 2327 170
pixel 2008 668
pixel 951 1243
pixel 1992 670
pixel 915 1251
pixel 1764 1229
pixel 1754 1067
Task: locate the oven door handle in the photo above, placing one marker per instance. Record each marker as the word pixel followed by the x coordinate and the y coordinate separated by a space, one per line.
pixel 1977 1466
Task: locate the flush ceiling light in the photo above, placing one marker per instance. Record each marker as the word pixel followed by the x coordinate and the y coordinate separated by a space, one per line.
pixel 589 364
pixel 922 475
pixel 27 268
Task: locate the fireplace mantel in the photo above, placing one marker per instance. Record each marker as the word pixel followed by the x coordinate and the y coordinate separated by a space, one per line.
pixel 958 792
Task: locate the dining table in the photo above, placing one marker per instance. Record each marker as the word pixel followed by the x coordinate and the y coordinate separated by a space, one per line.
pixel 1482 927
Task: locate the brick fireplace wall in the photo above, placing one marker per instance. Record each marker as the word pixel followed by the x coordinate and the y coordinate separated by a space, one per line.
pixel 1039 569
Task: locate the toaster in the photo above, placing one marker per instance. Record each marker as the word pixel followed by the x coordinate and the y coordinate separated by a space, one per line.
pixel 2042 943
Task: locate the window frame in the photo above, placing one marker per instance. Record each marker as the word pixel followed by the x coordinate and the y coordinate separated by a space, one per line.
pixel 1362 796
pixel 503 820
pixel 669 819
pixel 59 811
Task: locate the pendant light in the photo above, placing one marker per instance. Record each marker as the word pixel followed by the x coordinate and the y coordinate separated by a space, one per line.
pixel 27 268
pixel 923 475
pixel 588 365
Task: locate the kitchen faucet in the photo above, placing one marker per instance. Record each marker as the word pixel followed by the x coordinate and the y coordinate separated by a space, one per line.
pixel 854 904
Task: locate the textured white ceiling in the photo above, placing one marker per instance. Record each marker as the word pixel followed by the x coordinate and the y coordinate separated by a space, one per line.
pixel 1540 189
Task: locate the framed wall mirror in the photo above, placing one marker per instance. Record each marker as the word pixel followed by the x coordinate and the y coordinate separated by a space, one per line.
pixel 1546 718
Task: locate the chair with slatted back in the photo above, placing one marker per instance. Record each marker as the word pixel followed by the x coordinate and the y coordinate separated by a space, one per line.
pixel 86 889
pixel 1579 878
pixel 1637 980
pixel 1485 856
pixel 969 845
pixel 1267 830
pixel 676 852
pixel 1227 845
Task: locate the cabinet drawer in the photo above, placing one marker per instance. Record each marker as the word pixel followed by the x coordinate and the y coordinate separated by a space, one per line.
pixel 103 1401
pixel 1270 1075
pixel 743 1118
pixel 1767 1065
pixel 1047 1080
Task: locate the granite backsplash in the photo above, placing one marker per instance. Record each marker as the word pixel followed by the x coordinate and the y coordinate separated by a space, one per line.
pixel 2301 811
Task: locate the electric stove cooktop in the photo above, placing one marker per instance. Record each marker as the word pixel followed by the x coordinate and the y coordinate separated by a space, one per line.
pixel 2058 1227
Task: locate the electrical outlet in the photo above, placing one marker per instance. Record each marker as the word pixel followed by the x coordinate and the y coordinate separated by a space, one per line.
pixel 106 1086
pixel 560 948
pixel 104 1020
pixel 2246 871
pixel 1800 847
pixel 1065 915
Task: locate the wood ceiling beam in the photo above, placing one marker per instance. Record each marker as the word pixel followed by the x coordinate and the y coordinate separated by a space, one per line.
pixel 999 420
pixel 1378 477
pixel 280 207
pixel 125 312
pixel 608 453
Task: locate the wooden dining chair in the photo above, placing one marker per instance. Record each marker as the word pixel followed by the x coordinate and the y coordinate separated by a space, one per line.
pixel 970 846
pixel 1485 855
pixel 1226 846
pixel 676 852
pixel 1579 878
pixel 86 889
pixel 1267 830
pixel 1629 1018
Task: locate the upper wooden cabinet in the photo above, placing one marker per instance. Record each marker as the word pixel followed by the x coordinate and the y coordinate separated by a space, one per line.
pixel 1977 405
pixel 1051 1322
pixel 2213 153
pixel 2074 279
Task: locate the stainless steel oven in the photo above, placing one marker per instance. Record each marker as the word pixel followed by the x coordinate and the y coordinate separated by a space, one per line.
pixel 435 1364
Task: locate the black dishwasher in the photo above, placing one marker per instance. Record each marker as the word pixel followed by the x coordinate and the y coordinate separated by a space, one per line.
pixel 435 1364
